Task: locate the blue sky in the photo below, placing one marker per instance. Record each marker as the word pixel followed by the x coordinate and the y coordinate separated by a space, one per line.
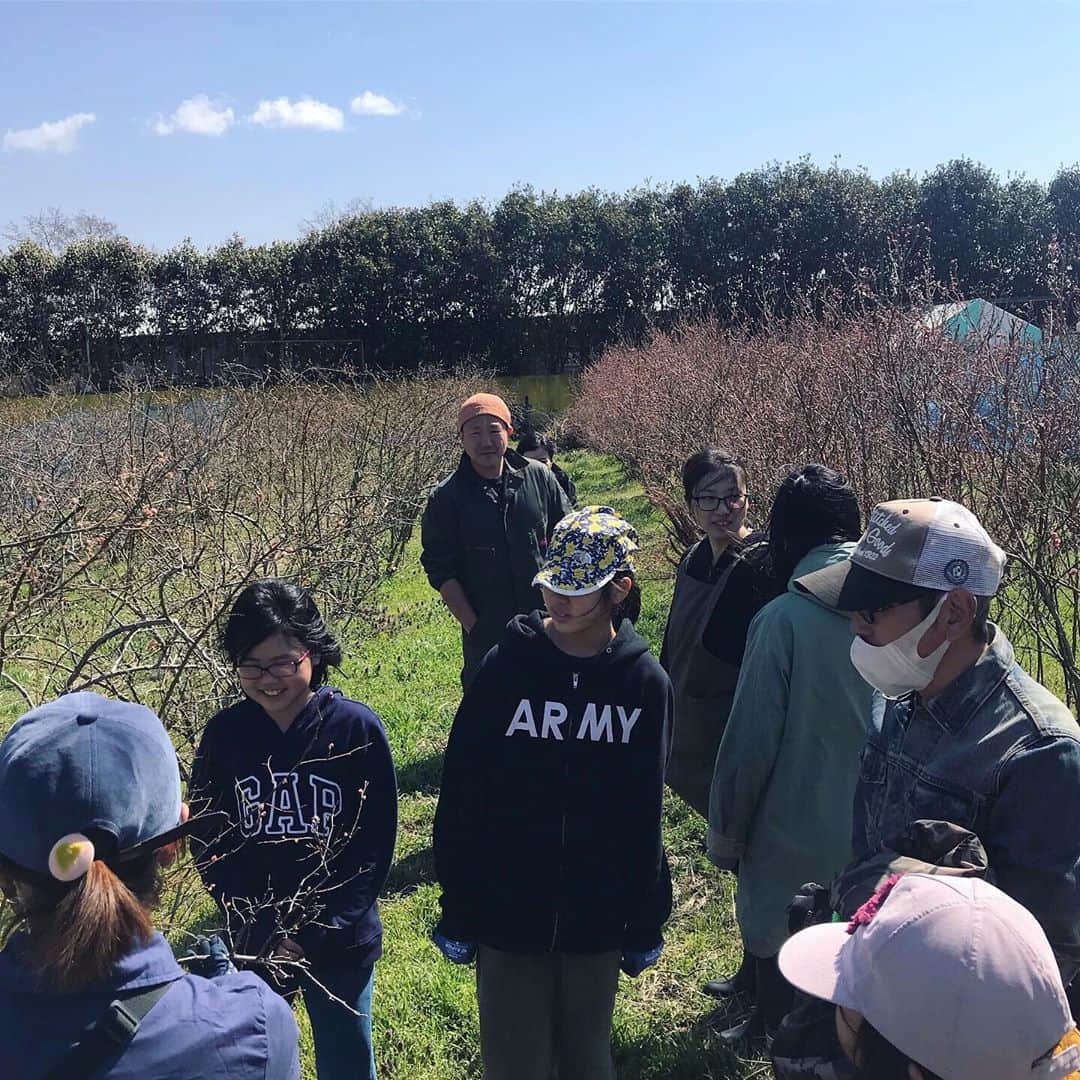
pixel 468 100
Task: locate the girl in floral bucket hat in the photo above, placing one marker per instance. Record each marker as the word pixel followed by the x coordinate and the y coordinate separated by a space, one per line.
pixel 547 834
pixel 589 549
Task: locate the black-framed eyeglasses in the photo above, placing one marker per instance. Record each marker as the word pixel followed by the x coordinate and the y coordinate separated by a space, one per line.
pixel 280 669
pixel 870 616
pixel 712 502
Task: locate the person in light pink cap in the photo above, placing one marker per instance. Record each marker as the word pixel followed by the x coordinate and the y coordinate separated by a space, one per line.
pixel 940 977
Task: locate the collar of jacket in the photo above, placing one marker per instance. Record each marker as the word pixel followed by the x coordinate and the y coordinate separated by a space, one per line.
pixel 515 463
pixel 146 965
pixel 969 691
pixel 817 558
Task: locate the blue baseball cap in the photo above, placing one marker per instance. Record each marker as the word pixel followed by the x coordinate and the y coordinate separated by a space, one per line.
pixel 84 777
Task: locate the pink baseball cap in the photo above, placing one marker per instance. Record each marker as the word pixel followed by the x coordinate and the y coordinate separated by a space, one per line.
pixel 954 973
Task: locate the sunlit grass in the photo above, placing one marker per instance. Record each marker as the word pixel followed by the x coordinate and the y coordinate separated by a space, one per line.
pixel 425 1017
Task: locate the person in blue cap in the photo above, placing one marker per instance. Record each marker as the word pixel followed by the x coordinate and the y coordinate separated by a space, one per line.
pixel 90 814
pixel 547 833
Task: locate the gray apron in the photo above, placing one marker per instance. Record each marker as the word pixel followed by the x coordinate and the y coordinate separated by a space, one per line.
pixel 704 685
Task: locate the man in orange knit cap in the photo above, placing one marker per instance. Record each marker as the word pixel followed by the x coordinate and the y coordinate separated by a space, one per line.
pixel 486 528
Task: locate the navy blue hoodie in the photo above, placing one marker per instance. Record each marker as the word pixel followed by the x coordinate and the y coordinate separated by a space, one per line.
pixel 547 833
pixel 313 810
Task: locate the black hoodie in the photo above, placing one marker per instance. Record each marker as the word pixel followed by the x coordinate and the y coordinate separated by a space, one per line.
pixel 547 833
pixel 312 813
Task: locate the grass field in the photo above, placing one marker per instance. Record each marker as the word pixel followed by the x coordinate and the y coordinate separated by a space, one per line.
pixel 425 1015
pixel 425 1008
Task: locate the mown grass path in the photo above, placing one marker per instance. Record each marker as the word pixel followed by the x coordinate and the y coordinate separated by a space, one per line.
pixel 425 1008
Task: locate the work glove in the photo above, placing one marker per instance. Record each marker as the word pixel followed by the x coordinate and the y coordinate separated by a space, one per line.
pixel 635 961
pixel 808 907
pixel 278 967
pixel 457 952
pixel 287 949
pixel 210 957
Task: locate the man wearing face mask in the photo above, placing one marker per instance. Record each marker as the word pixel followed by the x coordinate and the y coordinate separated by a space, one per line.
pixel 960 732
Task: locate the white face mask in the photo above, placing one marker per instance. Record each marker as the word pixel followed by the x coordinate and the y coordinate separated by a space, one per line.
pixel 897 668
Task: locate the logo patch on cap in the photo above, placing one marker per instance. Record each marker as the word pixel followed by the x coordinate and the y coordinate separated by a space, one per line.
pixel 71 857
pixel 957 571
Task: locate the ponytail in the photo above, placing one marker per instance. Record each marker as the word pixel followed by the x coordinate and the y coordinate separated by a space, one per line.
pixel 75 936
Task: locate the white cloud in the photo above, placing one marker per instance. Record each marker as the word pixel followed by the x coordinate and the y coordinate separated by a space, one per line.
pixel 305 113
pixel 58 136
pixel 196 115
pixel 371 104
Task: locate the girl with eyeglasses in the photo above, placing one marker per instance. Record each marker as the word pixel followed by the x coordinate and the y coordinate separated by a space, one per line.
pixel 306 778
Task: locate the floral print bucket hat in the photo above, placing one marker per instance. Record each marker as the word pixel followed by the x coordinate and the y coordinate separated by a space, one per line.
pixel 588 548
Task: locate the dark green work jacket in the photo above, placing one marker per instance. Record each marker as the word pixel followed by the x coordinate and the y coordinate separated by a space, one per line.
pixel 493 552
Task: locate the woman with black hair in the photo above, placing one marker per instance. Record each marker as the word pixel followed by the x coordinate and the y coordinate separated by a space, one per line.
pixel 782 792
pixel 548 841
pixel 537 447
pixel 722 582
pixel 306 778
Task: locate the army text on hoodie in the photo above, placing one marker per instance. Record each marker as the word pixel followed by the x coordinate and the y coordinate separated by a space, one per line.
pixel 547 833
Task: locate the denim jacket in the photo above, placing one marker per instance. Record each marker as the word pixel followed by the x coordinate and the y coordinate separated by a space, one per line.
pixel 996 753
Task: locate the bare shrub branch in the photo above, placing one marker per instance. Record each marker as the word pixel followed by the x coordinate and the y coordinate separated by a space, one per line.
pixel 900 410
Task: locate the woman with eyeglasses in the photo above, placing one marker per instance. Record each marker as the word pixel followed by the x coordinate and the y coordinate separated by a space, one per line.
pixel 306 778
pixel 784 783
pixel 721 584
